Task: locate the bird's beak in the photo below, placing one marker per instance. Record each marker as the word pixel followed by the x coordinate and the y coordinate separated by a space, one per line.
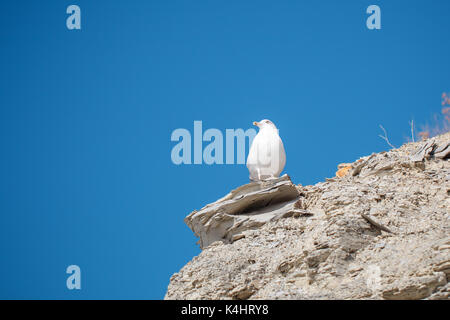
pixel 256 123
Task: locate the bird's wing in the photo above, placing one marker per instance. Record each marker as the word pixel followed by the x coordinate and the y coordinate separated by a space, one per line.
pixel 260 151
pixel 282 156
pixel 253 152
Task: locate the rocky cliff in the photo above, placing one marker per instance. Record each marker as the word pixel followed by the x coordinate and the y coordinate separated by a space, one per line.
pixel 378 230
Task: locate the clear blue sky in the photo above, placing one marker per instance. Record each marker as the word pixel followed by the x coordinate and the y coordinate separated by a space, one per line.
pixel 86 116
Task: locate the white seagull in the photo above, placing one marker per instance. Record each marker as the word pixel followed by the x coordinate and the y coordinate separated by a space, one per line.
pixel 266 158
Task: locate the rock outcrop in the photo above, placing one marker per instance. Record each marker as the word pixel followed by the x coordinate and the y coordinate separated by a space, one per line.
pixel 379 230
pixel 248 207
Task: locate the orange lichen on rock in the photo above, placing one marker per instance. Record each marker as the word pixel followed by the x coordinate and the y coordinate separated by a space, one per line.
pixel 343 169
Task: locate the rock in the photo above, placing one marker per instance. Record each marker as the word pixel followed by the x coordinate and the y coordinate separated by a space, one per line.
pixel 414 288
pixel 442 151
pixel 432 148
pixel 343 169
pixel 247 207
pixel 340 251
pixel 424 151
pixel 374 223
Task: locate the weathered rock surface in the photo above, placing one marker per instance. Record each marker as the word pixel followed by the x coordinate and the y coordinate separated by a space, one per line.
pixel 248 207
pixel 381 231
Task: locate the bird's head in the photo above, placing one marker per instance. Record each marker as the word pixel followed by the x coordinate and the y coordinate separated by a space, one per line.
pixel 263 124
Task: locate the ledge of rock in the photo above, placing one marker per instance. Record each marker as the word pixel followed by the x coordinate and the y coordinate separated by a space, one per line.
pixel 247 207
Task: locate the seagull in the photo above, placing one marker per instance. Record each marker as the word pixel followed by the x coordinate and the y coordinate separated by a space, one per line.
pixel 266 158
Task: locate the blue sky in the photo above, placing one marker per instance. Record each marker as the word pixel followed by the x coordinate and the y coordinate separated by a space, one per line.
pixel 86 116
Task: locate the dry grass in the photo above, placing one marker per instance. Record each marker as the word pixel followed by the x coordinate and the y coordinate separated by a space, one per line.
pixel 440 123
